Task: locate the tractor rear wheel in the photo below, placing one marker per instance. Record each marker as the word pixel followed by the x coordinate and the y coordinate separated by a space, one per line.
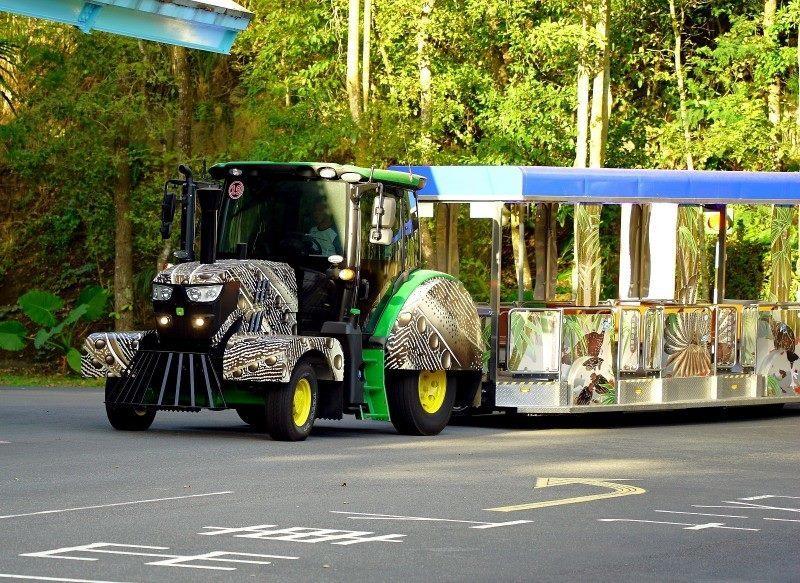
pixel 420 403
pixel 127 417
pixel 291 408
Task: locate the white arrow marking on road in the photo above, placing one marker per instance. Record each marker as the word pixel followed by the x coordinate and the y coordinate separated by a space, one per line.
pixel 371 516
pixel 686 525
pixel 114 504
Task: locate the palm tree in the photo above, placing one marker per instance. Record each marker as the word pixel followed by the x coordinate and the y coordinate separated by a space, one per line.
pixel 8 55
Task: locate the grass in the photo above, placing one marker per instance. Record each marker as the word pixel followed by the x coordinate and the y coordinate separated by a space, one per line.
pixel 16 379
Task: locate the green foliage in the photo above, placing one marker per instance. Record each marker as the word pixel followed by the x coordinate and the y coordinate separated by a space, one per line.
pixel 42 309
pixel 12 335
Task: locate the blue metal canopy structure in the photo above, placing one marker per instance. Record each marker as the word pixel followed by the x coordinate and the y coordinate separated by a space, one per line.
pixel 604 185
pixel 210 25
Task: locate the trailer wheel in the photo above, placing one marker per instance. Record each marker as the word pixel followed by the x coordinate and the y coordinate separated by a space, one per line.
pixel 127 417
pixel 255 416
pixel 291 408
pixel 420 403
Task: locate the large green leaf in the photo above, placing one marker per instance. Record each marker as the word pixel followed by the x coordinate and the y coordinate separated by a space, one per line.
pixel 42 336
pixel 95 299
pixel 12 335
pixel 40 306
pixel 74 315
pixel 74 359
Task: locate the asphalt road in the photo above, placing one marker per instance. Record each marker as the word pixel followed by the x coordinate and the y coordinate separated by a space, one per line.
pixel 201 497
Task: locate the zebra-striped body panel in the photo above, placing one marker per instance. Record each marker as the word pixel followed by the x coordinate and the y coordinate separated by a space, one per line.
pixel 259 358
pixel 437 329
pixel 110 353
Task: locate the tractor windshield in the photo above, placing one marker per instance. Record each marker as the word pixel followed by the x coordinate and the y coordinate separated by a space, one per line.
pixel 281 217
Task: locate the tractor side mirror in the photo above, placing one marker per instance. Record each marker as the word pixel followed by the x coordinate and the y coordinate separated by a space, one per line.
pixel 167 213
pixel 384 209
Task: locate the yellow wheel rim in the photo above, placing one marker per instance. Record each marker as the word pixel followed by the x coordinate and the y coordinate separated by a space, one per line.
pixel 432 390
pixel 301 406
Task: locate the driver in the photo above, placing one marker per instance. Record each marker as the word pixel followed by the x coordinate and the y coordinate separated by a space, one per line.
pixel 323 232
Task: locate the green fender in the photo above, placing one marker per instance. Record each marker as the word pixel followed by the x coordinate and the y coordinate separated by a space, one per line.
pixel 429 323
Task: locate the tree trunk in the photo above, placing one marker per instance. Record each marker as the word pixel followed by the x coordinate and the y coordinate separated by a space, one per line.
pixel 774 90
pixel 123 246
pixel 365 52
pixel 446 250
pixel 780 278
pixel 598 125
pixel 797 111
pixel 180 58
pixel 588 268
pixel 677 32
pixel 183 77
pixel 353 96
pixel 582 114
pixel 546 251
pixel 423 63
pixel 691 258
pixel 520 259
pixel 427 244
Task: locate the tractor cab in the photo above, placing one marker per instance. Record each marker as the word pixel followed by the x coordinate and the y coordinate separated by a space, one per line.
pixel 319 220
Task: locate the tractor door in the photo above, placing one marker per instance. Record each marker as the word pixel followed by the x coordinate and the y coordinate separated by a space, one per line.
pixel 381 265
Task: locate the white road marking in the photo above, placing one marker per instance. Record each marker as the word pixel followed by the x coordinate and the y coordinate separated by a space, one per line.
pixel 701 514
pixel 371 516
pixel 165 560
pixel 60 579
pixel 784 519
pixel 304 534
pixel 114 504
pixel 746 506
pixel 686 525
pixel 4 442
pixel 765 496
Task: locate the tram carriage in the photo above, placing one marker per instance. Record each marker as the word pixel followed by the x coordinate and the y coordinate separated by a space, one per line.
pixel 646 349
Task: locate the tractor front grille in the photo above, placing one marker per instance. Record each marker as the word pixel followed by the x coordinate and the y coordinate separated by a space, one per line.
pixel 174 380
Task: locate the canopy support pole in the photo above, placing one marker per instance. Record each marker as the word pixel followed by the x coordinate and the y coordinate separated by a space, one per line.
pixel 521 248
pixel 494 287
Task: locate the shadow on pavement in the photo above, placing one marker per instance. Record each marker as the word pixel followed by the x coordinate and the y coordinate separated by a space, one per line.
pixel 628 419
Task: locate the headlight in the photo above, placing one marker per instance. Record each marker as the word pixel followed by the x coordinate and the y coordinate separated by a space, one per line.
pixel 203 293
pixel 162 292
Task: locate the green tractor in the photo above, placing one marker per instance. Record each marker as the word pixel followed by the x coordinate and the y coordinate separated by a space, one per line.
pixel 307 301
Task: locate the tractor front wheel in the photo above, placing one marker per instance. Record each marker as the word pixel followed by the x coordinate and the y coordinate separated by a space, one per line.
pixel 255 416
pixel 127 417
pixel 291 408
pixel 420 403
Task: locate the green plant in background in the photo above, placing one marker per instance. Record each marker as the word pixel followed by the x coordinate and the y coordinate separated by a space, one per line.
pixel 54 334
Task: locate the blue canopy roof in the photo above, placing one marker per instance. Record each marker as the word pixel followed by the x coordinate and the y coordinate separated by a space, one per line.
pixel 210 25
pixel 604 185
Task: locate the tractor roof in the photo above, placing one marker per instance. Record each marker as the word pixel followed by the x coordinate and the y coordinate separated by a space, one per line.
pixel 311 169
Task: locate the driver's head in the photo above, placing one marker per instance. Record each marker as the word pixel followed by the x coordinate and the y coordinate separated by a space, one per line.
pixel 321 215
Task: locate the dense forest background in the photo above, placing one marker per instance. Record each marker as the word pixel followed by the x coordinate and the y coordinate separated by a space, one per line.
pixel 92 125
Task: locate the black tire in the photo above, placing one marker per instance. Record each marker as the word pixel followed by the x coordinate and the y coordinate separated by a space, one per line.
pixel 406 409
pixel 255 416
pixel 127 417
pixel 284 421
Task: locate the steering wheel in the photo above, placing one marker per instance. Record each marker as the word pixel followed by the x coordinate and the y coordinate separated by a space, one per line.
pixel 297 243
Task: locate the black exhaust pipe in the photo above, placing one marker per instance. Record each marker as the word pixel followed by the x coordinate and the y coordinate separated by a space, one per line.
pixel 210 201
